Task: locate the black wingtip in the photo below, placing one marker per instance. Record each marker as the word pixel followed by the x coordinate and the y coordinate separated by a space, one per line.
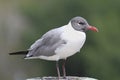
pixel 19 53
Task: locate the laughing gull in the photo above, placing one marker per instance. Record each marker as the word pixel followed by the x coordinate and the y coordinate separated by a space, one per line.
pixel 60 43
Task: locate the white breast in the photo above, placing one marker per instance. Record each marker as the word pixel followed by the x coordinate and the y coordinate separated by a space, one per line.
pixel 75 40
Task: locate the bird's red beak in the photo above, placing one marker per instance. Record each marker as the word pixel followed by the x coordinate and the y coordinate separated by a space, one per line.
pixel 93 28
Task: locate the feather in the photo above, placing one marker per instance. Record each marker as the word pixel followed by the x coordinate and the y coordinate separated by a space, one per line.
pixel 19 53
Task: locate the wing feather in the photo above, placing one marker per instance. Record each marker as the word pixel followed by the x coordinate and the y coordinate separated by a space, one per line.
pixel 47 44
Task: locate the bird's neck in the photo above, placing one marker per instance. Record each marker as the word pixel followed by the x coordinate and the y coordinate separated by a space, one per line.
pixel 69 27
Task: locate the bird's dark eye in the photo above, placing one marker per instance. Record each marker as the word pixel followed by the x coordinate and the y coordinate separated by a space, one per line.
pixel 82 23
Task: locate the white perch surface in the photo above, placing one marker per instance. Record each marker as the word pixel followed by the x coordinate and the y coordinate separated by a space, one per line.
pixel 61 78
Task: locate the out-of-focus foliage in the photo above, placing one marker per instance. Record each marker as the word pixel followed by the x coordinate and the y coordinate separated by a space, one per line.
pixel 24 21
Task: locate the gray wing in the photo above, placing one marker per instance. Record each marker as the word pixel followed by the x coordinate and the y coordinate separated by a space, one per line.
pixel 47 45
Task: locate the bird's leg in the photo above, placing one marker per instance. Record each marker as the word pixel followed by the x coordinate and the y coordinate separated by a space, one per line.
pixel 57 67
pixel 63 68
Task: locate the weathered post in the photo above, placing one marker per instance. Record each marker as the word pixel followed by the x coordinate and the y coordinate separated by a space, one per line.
pixel 61 78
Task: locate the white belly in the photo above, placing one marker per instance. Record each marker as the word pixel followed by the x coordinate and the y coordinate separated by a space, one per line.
pixel 75 41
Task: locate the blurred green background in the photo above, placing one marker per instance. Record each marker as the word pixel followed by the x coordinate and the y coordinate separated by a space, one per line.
pixel 24 21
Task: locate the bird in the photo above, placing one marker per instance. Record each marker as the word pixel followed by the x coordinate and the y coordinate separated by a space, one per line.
pixel 60 43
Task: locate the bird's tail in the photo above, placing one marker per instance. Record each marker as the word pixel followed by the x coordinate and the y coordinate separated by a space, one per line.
pixel 19 53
